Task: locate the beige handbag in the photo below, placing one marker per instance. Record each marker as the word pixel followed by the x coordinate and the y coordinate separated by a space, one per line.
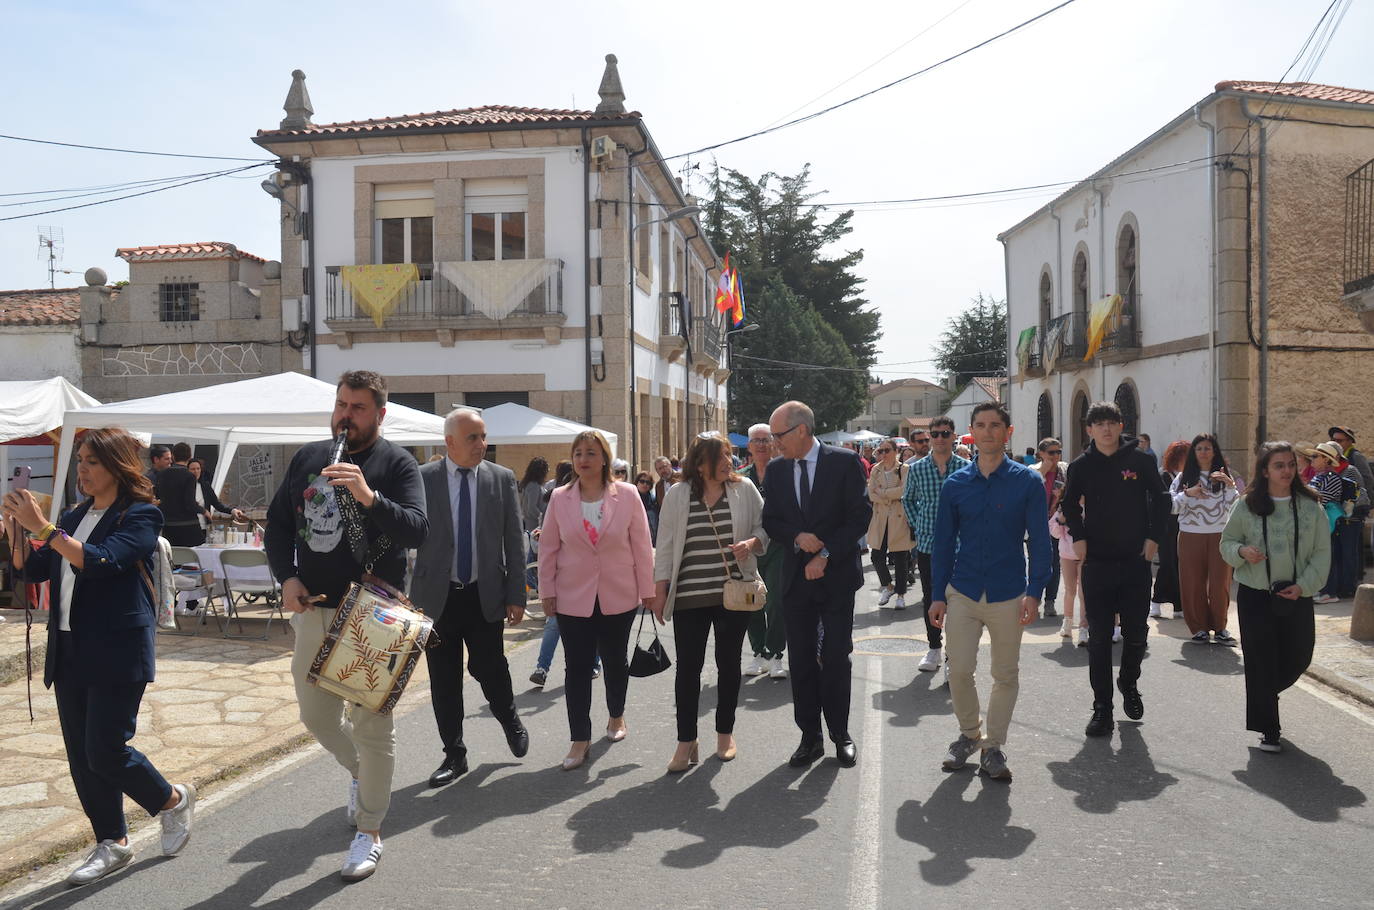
pixel 743 595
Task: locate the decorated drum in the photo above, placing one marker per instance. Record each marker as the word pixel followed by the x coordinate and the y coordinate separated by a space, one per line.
pixel 370 649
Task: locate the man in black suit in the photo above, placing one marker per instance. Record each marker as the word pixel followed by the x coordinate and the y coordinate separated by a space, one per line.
pixel 470 577
pixel 814 504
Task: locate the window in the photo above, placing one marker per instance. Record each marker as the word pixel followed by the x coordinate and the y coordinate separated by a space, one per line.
pixel 404 225
pixel 496 222
pixel 1127 277
pixel 919 407
pixel 1046 299
pixel 1044 417
pixel 427 402
pixel 1081 410
pixel 178 302
pixel 644 263
pixel 1080 282
pixel 1130 410
pixel 492 399
pixel 895 407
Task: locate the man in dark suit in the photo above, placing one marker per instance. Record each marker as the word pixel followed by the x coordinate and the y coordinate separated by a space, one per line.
pixel 814 505
pixel 469 577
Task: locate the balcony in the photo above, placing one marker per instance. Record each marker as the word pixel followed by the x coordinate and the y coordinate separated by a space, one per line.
pixel 707 338
pixel 1357 276
pixel 435 302
pixel 1031 357
pixel 1122 342
pixel 672 341
pixel 1065 341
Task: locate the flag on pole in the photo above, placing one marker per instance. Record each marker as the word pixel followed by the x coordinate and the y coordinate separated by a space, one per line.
pixel 724 299
pixel 737 292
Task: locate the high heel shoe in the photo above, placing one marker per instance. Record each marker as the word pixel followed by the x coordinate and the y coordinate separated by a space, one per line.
pixel 576 761
pixel 616 735
pixel 728 753
pixel 677 766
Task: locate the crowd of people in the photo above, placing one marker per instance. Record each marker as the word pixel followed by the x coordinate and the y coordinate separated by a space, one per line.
pixel 994 540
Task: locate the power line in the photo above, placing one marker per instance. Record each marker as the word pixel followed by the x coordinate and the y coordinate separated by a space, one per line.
pixel 103 148
pixel 160 189
pixel 834 107
pixel 98 191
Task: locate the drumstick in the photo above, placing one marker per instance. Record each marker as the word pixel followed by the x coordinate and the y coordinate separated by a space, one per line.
pixel 317 599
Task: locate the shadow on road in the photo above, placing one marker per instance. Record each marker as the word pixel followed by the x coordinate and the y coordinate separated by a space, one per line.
pixel 761 693
pixel 957 830
pixel 1067 655
pixel 1104 778
pixel 1303 783
pixel 1219 660
pixel 61 895
pixel 925 694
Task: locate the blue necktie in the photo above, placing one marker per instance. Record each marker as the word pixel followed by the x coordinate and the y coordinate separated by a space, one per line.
pixel 463 539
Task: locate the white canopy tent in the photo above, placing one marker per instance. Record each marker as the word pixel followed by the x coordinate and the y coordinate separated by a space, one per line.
pixel 514 424
pixel 284 409
pixel 31 413
pixel 837 437
pixel 867 437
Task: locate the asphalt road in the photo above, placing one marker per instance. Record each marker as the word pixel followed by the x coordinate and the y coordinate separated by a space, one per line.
pixel 1180 810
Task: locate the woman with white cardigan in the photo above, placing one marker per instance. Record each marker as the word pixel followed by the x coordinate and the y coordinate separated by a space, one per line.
pixel 709 526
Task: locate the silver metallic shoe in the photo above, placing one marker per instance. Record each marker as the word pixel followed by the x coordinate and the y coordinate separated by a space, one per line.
pixel 176 822
pixel 362 858
pixel 107 857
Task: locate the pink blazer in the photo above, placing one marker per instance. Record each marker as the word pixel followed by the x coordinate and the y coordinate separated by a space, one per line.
pixel 618 569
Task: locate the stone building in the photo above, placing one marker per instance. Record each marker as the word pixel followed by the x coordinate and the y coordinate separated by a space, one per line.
pixel 39 333
pixel 899 406
pixel 1224 232
pixel 560 264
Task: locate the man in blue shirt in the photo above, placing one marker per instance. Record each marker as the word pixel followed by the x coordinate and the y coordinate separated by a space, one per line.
pixel 988 508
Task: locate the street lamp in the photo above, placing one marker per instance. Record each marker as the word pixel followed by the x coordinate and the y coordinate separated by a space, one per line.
pixel 730 392
pixel 685 212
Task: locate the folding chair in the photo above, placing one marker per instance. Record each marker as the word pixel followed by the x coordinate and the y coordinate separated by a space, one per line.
pixel 244 572
pixel 196 584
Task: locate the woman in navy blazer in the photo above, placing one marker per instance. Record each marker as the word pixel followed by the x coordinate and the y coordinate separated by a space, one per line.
pixel 100 657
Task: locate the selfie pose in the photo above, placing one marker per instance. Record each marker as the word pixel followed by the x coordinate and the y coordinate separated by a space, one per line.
pixel 1203 494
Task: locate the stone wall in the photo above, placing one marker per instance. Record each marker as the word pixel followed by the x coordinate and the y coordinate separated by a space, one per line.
pixel 229 360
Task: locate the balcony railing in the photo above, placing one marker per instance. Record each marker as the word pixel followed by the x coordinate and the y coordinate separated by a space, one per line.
pixel 707 337
pixel 434 298
pixel 1031 358
pixel 1124 338
pixel 669 314
pixel 1358 271
pixel 1068 333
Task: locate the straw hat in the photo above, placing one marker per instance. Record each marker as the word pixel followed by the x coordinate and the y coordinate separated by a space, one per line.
pixel 1331 451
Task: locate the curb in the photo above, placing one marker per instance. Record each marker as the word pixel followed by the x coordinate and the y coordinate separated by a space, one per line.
pixel 1341 684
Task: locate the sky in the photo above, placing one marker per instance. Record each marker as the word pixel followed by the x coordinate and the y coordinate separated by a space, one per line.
pixel 1052 102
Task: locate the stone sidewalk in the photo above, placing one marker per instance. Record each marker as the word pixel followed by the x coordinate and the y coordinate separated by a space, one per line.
pixel 219 707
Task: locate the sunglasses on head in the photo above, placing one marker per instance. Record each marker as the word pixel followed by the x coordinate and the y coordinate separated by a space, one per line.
pixel 941 434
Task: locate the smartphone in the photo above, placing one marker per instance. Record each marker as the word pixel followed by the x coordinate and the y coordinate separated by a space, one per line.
pixel 20 480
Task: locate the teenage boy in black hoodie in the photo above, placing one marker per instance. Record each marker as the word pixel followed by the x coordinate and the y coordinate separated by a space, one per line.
pixel 1116 509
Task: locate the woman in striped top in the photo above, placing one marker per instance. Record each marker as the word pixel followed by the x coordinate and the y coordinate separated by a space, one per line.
pixel 711 521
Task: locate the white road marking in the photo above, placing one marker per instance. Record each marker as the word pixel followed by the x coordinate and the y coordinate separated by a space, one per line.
pixel 1364 716
pixel 865 868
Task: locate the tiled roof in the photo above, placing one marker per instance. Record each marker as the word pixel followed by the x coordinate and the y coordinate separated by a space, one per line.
pixel 43 306
pixel 989 387
pixel 1310 91
pixel 207 249
pixel 487 115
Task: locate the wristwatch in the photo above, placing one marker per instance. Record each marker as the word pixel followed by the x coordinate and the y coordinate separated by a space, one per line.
pixel 824 552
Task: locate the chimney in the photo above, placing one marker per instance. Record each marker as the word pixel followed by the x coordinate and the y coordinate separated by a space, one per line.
pixel 297 106
pixel 612 95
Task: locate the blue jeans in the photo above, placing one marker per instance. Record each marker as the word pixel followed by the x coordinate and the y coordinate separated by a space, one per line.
pixel 549 645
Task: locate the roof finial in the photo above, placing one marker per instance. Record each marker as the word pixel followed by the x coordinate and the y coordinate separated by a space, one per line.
pixel 612 95
pixel 297 106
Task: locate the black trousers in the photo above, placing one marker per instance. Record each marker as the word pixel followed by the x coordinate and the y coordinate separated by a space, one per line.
pixel 583 638
pixel 97 723
pixel 462 624
pixel 897 577
pixel 690 629
pixel 1166 579
pixel 933 635
pixel 1278 649
pixel 184 535
pixel 820 638
pixel 1113 587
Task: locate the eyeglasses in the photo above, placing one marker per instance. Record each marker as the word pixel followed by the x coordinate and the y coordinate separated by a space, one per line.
pixel 919 440
pixel 1054 451
pixel 883 451
pixel 941 434
pixel 763 440
pixel 777 437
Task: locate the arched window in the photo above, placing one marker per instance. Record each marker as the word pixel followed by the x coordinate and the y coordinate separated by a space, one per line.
pixel 1046 299
pixel 1080 282
pixel 1080 428
pixel 1130 409
pixel 1044 417
pixel 1127 276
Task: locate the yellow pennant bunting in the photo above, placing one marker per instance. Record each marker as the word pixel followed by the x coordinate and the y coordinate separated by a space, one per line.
pixel 1102 314
pixel 376 287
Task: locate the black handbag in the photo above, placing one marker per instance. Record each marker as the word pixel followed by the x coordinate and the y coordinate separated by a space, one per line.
pixel 651 660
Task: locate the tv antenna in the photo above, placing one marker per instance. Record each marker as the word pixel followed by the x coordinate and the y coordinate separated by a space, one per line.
pixel 50 248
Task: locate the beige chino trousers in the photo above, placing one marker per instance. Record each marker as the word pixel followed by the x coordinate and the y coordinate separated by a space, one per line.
pixel 965 620
pixel 363 742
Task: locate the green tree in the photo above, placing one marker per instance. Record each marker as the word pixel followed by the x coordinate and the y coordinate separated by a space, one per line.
pixel 780 240
pixel 975 342
pixel 794 333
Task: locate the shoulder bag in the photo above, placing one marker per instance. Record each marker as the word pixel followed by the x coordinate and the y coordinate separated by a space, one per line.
pixel 1281 606
pixel 744 595
pixel 651 660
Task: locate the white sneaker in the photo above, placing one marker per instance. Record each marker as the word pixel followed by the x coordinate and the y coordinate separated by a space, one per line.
pixel 1065 629
pixel 1116 635
pixel 1082 636
pixel 362 857
pixel 1154 610
pixel 884 597
pixel 776 670
pixel 107 857
pixel 756 667
pixel 900 604
pixel 931 662
pixel 176 821
pixel 352 809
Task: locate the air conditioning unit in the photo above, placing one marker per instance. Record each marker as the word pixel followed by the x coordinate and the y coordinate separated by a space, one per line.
pixel 602 147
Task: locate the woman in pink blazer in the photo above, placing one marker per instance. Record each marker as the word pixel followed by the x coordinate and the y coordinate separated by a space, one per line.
pixel 596 565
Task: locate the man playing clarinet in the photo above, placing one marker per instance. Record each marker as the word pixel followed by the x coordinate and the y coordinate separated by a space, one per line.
pixel 349 505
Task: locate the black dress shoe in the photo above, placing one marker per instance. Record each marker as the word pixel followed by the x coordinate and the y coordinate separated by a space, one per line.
pixel 449 771
pixel 1101 723
pixel 847 753
pixel 518 738
pixel 809 751
pixel 1131 702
